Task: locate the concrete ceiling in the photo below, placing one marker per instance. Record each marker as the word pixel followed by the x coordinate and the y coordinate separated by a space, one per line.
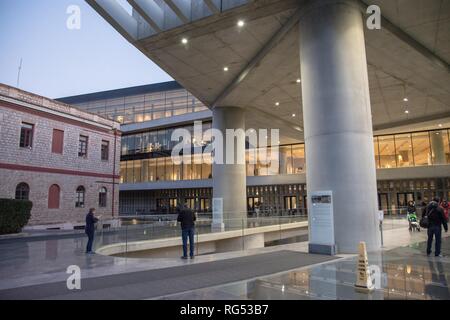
pixel 409 57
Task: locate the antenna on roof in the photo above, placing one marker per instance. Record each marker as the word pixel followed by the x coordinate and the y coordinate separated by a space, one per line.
pixel 18 73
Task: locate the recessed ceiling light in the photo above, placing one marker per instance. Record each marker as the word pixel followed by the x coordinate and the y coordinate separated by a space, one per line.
pixel 184 41
pixel 277 104
pixel 299 80
pixel 225 69
pixel 440 125
pixel 405 99
pixel 241 23
pixel 293 115
pixel 406 111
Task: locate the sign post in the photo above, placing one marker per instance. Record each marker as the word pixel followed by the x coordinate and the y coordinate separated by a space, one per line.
pixel 321 223
pixel 381 218
pixel 217 223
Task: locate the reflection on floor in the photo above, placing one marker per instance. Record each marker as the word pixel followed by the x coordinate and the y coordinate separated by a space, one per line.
pixel 405 273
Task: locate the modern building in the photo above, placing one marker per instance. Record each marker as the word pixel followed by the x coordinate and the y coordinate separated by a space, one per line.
pixel 329 73
pixel 411 164
pixel 63 159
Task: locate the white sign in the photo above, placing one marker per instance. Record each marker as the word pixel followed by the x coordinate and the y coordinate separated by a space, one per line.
pixel 381 215
pixel 217 206
pixel 321 219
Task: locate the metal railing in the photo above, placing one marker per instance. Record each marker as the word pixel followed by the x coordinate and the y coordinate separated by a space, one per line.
pixel 146 229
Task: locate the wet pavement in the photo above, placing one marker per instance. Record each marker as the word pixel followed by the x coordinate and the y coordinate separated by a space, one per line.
pixel 403 273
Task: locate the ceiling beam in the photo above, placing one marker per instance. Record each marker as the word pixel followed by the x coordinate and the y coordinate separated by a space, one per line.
pixel 432 117
pixel 213 5
pixel 151 12
pixel 273 41
pixel 118 17
pixel 182 8
pixel 410 41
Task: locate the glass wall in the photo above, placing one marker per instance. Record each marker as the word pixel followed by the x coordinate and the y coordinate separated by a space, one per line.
pixel 145 107
pixel 157 140
pixel 391 151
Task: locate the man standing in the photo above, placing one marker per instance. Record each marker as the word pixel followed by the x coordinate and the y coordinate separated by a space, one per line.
pixel 91 220
pixel 436 220
pixel 187 219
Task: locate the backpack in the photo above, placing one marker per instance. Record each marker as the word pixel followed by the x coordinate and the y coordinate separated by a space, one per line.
pixel 425 221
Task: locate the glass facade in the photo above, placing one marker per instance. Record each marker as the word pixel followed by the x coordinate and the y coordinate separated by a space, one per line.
pixel 145 107
pixel 424 148
pixel 391 151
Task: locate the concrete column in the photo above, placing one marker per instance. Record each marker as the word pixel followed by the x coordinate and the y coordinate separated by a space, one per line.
pixel 229 179
pixel 437 147
pixel 337 119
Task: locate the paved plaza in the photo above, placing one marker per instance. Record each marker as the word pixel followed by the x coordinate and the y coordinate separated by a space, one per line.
pixel 35 268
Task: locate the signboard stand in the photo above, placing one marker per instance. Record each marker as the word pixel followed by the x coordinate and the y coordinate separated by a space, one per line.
pixel 364 281
pixel 381 218
pixel 321 224
pixel 217 223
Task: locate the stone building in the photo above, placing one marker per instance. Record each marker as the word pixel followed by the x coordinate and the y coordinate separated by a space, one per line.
pixel 61 158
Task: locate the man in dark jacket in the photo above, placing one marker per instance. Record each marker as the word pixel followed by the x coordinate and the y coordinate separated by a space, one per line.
pixel 187 219
pixel 436 220
pixel 91 220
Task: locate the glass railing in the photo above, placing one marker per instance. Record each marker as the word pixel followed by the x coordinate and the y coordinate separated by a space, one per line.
pixel 134 237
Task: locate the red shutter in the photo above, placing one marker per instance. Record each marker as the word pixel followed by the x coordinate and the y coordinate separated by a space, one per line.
pixel 53 197
pixel 58 141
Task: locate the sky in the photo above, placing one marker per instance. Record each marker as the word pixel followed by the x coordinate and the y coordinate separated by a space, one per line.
pixel 59 62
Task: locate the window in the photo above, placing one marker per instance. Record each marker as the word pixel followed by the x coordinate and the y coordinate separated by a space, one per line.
pixel 105 150
pixel 421 147
pixel 57 141
pixel 387 152
pixel 53 197
pixel 404 150
pixel 83 145
pixel 80 197
pixel 298 158
pixel 102 197
pixel 22 191
pixel 26 135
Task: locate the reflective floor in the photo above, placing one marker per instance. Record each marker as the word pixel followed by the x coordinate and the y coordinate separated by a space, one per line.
pixel 405 273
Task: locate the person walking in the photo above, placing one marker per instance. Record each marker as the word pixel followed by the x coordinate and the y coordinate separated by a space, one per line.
pixel 411 214
pixel 436 220
pixel 91 220
pixel 445 206
pixel 187 218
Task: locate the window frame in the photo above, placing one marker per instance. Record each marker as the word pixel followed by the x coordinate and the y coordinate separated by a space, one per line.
pixel 83 146
pixel 80 197
pixel 103 197
pixel 105 144
pixel 26 135
pixel 22 192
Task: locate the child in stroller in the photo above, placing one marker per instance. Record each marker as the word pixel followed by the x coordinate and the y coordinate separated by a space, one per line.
pixel 412 217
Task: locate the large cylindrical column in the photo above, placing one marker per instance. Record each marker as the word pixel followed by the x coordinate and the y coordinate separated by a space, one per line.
pixel 337 119
pixel 229 178
pixel 437 147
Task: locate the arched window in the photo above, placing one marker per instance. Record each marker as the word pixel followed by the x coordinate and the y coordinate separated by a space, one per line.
pixel 102 197
pixel 53 197
pixel 80 197
pixel 22 191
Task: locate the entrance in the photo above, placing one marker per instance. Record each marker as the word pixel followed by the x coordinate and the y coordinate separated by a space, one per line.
pixel 290 205
pixel 402 201
pixel 383 201
pixel 253 203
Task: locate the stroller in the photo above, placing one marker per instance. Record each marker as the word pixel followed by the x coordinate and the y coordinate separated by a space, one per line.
pixel 413 223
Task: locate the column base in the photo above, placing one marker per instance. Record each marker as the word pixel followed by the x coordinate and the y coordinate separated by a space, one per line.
pixel 330 250
pixel 217 227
